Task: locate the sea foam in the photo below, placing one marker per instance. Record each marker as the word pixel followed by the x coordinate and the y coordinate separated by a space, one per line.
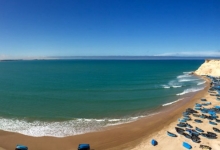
pixel 190 90
pixel 176 86
pixel 166 86
pixel 189 72
pixel 200 83
pixel 172 102
pixel 60 129
pixel 184 76
pixel 188 80
pixel 172 84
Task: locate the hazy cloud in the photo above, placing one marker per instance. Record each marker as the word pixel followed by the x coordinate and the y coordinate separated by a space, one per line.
pixel 194 54
pixel 5 57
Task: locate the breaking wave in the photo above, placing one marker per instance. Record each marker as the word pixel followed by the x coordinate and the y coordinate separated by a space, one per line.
pixel 61 129
pixel 200 83
pixel 188 72
pixel 188 80
pixel 166 86
pixel 183 76
pixel 190 90
pixel 177 86
pixel 172 102
pixel 172 84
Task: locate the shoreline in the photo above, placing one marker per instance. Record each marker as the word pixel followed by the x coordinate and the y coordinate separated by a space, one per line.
pixel 123 136
pixel 163 138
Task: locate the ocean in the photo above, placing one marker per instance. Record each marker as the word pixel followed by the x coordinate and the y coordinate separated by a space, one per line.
pixel 68 97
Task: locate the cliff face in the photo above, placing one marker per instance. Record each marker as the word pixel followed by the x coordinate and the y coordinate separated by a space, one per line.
pixel 209 67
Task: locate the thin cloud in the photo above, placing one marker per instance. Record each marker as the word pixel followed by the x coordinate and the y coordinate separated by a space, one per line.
pixel 193 54
pixel 2 56
pixel 6 57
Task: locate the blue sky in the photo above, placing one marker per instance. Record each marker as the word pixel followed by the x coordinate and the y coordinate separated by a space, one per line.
pixel 40 28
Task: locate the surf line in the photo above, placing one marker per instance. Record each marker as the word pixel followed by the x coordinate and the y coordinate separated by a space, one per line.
pixel 172 102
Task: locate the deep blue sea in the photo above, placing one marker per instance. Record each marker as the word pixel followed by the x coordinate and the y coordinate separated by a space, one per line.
pixel 69 97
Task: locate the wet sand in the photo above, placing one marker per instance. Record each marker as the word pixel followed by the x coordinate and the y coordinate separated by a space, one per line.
pixel 134 135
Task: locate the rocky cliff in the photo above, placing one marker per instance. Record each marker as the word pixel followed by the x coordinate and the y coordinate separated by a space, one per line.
pixel 209 67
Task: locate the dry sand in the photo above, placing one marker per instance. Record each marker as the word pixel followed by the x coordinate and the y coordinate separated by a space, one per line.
pixel 135 135
pixel 170 143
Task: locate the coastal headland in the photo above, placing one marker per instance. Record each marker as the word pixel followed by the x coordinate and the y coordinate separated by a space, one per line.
pixel 135 135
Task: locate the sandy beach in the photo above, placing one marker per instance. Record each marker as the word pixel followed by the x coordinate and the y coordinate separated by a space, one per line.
pixel 134 135
pixel 163 139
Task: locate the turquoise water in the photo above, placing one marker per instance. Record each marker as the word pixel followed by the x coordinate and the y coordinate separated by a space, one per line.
pixel 68 97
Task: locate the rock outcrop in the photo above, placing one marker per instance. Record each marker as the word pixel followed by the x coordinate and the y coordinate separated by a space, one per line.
pixel 209 67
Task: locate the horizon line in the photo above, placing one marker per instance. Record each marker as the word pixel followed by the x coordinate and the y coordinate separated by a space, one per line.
pixel 109 58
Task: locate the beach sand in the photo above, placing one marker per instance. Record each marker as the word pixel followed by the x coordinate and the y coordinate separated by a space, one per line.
pixel 171 143
pixel 135 135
